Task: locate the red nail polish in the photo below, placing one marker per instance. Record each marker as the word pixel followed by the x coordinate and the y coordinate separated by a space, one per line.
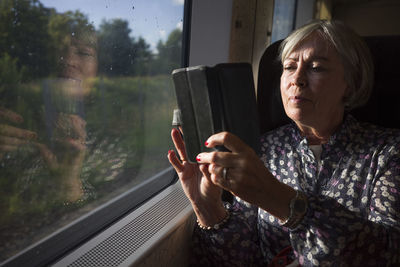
pixel 206 143
pixel 198 158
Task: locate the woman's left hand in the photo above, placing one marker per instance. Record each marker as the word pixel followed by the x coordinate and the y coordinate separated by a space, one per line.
pixel 246 176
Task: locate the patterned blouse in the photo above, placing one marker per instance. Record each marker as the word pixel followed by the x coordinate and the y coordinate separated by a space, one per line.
pixel 353 216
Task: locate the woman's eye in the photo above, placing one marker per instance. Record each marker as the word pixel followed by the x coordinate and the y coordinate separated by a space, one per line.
pixel 317 68
pixel 289 67
pixel 82 53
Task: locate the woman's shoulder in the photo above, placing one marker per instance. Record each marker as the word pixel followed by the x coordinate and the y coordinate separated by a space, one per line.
pixel 374 135
pixel 376 132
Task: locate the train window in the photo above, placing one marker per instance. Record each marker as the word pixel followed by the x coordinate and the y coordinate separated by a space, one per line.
pixel 85 110
pixel 284 18
pixel 290 15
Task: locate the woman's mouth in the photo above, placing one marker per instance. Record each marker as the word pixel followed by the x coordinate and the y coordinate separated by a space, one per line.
pixel 298 99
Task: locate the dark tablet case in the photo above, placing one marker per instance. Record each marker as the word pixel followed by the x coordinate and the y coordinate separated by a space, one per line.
pixel 216 99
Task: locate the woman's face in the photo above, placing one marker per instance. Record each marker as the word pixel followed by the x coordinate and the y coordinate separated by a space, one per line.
pixel 313 85
pixel 80 61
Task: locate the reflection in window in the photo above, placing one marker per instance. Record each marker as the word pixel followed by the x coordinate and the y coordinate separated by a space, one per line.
pixel 284 19
pixel 85 107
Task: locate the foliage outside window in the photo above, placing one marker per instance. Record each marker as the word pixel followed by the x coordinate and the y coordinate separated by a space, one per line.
pixel 85 111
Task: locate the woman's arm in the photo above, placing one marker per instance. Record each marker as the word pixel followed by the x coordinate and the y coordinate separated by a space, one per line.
pixel 235 244
pixel 248 179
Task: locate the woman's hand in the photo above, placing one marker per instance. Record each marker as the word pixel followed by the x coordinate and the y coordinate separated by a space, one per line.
pixel 246 175
pixel 12 137
pixel 204 195
pixel 74 148
pixel 70 134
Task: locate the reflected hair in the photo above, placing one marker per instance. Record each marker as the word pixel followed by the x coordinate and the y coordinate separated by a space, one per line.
pixel 353 51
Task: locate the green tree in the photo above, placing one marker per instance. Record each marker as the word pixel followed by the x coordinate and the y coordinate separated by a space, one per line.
pixel 120 54
pixel 24 35
pixel 116 50
pixel 169 53
pixel 10 77
pixel 142 57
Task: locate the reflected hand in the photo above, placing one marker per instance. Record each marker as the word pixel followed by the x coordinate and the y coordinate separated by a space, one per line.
pixel 204 195
pixel 12 137
pixel 69 129
pixel 246 175
pixel 71 135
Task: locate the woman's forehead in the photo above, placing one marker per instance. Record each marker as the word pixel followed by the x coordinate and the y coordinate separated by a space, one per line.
pixel 314 46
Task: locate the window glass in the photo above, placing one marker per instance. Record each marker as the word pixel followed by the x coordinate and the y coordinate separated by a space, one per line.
pixel 86 102
pixel 284 19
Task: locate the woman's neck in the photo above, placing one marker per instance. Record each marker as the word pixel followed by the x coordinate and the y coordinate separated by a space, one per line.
pixel 318 135
pixel 314 138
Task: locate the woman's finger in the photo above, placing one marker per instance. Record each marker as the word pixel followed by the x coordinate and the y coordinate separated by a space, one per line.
pixel 7 148
pixel 11 131
pixel 175 162
pixel 77 144
pixel 225 159
pixel 228 140
pixel 204 168
pixel 12 141
pixel 218 177
pixel 78 126
pixel 10 115
pixel 215 169
pixel 179 144
pixel 48 156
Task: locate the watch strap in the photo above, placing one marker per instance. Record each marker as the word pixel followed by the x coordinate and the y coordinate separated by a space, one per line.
pixel 298 208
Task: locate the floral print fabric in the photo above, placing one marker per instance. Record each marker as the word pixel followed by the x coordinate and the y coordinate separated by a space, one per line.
pixel 353 216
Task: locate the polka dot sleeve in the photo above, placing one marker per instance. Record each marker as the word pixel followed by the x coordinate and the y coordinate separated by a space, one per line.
pixel 236 244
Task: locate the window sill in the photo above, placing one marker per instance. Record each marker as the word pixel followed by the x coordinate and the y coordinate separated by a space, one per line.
pixel 132 240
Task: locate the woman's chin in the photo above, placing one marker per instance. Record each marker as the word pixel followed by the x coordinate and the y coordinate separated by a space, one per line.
pixel 297 115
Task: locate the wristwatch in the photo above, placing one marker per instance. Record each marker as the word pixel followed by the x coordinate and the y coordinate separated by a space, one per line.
pixel 298 208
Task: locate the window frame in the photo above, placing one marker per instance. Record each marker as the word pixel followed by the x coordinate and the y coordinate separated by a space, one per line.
pixel 71 236
pixel 64 240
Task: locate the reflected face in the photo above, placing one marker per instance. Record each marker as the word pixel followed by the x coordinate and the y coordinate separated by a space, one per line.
pixel 312 84
pixel 80 61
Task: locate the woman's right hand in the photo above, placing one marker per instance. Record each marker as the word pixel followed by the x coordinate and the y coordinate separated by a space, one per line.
pixel 12 137
pixel 202 193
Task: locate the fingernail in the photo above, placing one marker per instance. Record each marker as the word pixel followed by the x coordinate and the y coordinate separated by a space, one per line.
pixel 198 158
pixel 206 143
pixel 170 151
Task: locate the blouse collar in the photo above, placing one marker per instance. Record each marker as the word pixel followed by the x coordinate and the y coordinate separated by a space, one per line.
pixel 340 138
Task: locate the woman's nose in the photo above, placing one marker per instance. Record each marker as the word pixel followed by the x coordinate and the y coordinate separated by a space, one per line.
pixel 300 78
pixel 71 58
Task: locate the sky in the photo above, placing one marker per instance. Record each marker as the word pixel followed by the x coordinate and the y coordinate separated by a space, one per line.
pixel 151 19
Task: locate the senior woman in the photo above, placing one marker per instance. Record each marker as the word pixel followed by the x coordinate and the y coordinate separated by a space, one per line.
pixel 326 190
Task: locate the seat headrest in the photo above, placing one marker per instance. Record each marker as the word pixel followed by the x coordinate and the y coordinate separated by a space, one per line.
pixel 383 107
